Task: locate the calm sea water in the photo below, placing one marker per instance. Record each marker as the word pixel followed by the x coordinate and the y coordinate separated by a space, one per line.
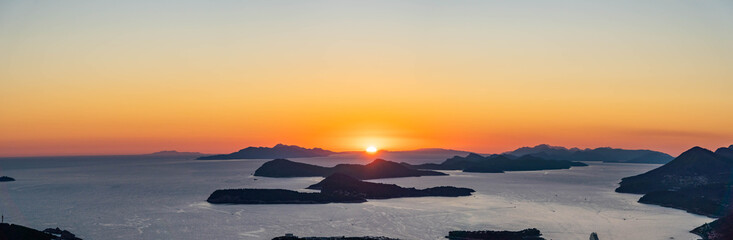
pixel 138 198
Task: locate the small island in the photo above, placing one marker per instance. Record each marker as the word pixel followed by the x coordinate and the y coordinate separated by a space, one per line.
pixel 278 196
pixel 498 164
pixel 337 188
pixel 526 234
pixel 278 151
pixel 283 168
pixel 293 237
pixel 6 179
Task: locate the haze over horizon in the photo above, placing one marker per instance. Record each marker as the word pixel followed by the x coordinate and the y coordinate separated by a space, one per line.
pixel 130 77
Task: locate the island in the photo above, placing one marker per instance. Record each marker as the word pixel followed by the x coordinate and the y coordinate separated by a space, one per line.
pixel 278 151
pixel 697 181
pixel 497 164
pixel 379 168
pixel 526 234
pixel 337 188
pixel 290 236
pixel 6 179
pixel 278 196
pixel 13 232
pixel 604 154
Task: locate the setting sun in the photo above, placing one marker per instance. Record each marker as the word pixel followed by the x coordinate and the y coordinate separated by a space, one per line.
pixel 371 149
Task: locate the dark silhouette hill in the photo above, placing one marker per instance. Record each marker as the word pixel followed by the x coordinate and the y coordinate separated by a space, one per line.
pixel 6 179
pixel 725 152
pixel 337 188
pixel 341 183
pixel 545 149
pixel 278 151
pixel 376 169
pixel 694 167
pixel 18 232
pixel 604 154
pixel 698 181
pixel 497 164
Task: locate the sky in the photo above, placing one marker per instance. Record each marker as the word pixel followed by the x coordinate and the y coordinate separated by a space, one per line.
pixel 127 77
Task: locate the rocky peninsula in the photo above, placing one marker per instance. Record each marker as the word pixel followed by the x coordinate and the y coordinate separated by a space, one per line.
pixel 720 229
pixel 697 181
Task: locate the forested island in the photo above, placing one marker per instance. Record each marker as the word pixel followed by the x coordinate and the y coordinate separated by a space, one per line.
pixel 526 234
pixel 283 168
pixel 337 188
pixel 6 179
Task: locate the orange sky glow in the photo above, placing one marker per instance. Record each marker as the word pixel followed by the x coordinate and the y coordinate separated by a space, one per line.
pixel 88 78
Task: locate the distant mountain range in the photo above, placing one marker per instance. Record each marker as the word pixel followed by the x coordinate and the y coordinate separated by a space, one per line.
pixel 438 151
pixel 497 164
pixel 376 169
pixel 173 153
pixel 604 154
pixel 423 155
pixel 420 151
pixel 168 154
pixel 278 151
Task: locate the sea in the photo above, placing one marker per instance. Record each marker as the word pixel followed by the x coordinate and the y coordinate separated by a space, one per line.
pixel 149 197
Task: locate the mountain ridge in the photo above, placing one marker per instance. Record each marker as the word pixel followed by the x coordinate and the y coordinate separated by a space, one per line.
pixel 604 154
pixel 497 164
pixel 277 151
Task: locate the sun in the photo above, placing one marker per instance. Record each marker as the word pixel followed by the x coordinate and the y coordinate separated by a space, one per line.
pixel 371 149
